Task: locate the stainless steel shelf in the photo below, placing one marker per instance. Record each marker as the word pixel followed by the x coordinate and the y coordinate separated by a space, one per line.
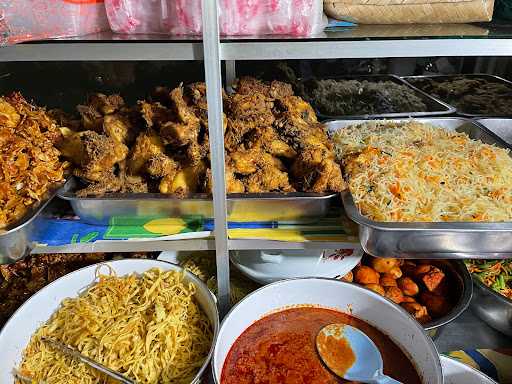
pixel 124 246
pixel 377 41
pixel 107 46
pixel 240 245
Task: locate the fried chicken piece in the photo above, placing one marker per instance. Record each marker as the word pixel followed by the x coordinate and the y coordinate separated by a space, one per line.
pixel 185 182
pixel 154 114
pixel 297 106
pixel 104 104
pixel 134 184
pixel 233 184
pixel 250 85
pixel 186 129
pixel 107 183
pixel 99 154
pixel 268 178
pixel 161 165
pixel 267 139
pixel 119 128
pixel 146 145
pixel 92 119
pixel 245 162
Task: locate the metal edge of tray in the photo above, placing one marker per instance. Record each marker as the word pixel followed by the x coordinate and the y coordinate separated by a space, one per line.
pixel 492 292
pixel 66 193
pixel 17 239
pixel 354 214
pixel 469 75
pixel 398 80
pixel 482 121
pixel 34 210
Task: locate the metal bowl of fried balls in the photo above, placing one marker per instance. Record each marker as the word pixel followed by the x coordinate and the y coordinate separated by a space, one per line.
pixel 434 292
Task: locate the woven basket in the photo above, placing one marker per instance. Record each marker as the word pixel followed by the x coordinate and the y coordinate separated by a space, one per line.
pixel 410 11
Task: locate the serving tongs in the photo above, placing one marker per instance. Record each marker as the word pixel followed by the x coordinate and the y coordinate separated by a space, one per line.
pixel 73 353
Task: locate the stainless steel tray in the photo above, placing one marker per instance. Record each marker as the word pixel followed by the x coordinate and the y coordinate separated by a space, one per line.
pixel 491 78
pixel 432 240
pixel 133 209
pixel 500 127
pixel 436 107
pixel 17 240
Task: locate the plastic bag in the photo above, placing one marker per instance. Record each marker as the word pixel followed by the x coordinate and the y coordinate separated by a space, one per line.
pixel 237 17
pixel 22 20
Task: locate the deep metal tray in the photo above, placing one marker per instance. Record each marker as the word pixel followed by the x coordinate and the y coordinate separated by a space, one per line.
pixel 133 209
pixel 492 78
pixel 17 240
pixel 491 240
pixel 436 107
pixel 500 127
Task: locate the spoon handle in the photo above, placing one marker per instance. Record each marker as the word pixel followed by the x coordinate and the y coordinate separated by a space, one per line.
pixel 383 379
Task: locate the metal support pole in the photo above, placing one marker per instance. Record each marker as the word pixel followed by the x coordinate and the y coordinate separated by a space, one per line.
pixel 230 72
pixel 213 76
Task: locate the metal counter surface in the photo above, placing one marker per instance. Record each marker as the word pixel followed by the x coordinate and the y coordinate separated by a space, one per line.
pixel 469 332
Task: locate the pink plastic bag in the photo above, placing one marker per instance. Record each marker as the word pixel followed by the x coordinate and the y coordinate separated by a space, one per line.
pixel 237 17
pixel 22 20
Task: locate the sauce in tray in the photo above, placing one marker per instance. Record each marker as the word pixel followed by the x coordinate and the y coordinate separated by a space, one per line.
pixel 280 349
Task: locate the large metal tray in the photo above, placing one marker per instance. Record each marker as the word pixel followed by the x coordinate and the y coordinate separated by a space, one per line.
pixel 491 240
pixel 500 127
pixel 130 209
pixel 17 240
pixel 491 78
pixel 436 107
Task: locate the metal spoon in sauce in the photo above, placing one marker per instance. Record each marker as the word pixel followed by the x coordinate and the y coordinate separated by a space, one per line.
pixel 351 354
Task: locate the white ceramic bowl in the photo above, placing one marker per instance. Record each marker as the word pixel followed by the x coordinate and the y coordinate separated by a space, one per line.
pixel 267 267
pixel 16 333
pixel 455 372
pixel 364 304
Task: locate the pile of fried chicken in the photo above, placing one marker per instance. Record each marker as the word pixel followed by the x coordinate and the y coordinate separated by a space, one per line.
pixel 273 143
pixel 29 161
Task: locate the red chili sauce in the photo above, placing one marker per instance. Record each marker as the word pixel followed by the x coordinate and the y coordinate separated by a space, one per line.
pixel 280 349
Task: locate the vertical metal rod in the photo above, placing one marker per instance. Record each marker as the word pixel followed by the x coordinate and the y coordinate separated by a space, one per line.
pixel 230 72
pixel 213 76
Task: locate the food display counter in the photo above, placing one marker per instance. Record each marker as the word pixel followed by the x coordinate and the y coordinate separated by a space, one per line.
pixel 256 175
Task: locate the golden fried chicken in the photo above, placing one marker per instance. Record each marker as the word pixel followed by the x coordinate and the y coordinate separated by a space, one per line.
pixel 233 183
pixel 154 114
pixel 185 182
pixel 267 139
pixel 274 90
pixel 99 154
pixel 161 165
pixel 134 184
pixel 119 128
pixel 146 145
pixel 268 178
pixel 108 183
pixel 186 129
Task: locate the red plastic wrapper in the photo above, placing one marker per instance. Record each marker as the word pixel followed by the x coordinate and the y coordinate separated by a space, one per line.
pixel 23 20
pixel 237 17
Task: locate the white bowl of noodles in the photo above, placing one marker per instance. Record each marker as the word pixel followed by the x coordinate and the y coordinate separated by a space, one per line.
pixel 159 324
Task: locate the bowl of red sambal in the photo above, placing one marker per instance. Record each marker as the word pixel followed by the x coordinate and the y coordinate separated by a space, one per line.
pixel 269 337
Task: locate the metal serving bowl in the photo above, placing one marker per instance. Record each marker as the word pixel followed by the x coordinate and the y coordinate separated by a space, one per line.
pixel 456 271
pixel 492 307
pixel 362 303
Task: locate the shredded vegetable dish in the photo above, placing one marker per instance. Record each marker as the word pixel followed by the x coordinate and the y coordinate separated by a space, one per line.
pixel 147 327
pixel 496 274
pixel 414 172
